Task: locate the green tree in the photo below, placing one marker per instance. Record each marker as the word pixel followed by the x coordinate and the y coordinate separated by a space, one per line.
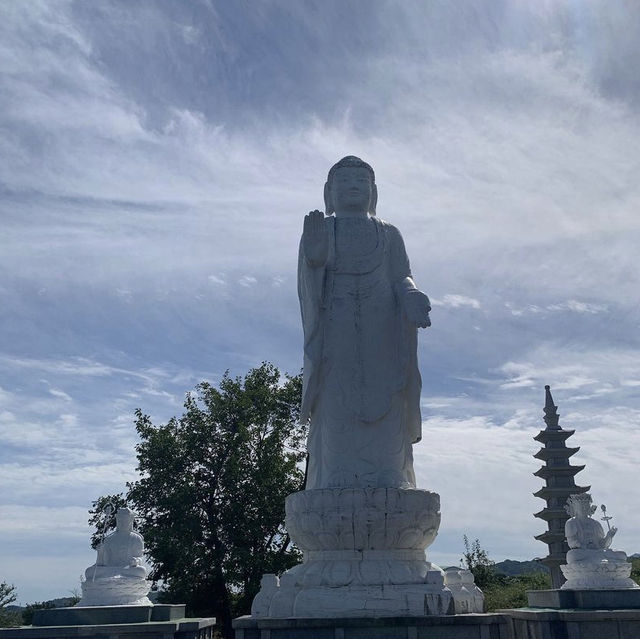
pixel 211 491
pixel 62 602
pixel 500 591
pixel 8 618
pixel 635 570
pixel 511 592
pixel 476 559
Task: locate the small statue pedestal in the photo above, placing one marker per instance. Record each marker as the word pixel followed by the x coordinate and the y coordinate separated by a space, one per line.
pixel 364 556
pixel 115 591
pixel 598 574
pixel 585 599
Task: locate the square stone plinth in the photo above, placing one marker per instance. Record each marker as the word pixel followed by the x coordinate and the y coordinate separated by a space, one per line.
pixel 471 626
pixel 99 615
pixel 529 623
pixel 592 599
pixel 160 624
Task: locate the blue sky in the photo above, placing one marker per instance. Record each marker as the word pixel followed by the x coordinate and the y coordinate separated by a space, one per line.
pixel 156 161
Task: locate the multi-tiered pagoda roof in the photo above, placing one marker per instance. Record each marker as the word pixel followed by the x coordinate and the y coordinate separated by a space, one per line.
pixel 558 475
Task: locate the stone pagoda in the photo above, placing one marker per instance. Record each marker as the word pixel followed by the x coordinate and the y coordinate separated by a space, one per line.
pixel 559 477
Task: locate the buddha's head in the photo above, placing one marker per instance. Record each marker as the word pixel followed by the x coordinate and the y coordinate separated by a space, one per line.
pixel 124 519
pixel 580 505
pixel 351 186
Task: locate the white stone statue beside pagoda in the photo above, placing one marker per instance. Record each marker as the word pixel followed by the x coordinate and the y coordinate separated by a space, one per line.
pixel 591 564
pixel 361 522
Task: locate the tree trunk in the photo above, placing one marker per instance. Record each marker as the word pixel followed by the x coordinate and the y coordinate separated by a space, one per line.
pixel 226 614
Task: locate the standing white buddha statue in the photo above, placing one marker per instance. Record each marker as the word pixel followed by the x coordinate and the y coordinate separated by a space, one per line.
pixel 361 522
pixel 360 314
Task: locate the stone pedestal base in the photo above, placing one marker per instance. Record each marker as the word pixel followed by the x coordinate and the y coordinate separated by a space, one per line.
pixel 99 615
pixel 582 575
pixel 434 627
pixel 295 596
pixel 527 623
pixel 364 556
pixel 588 599
pixel 113 622
pixel 115 591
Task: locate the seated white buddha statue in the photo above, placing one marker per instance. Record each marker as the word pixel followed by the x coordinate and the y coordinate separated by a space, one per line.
pixel 591 563
pixel 585 536
pixel 120 554
pixel 118 578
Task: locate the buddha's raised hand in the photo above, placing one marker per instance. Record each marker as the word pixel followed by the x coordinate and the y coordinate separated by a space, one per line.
pixel 315 238
pixel 417 307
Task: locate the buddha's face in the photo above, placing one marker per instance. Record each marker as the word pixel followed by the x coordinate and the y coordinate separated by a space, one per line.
pixel 124 520
pixel 582 508
pixel 351 189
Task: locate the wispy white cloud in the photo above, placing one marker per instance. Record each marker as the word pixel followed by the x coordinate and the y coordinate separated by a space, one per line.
pixel 578 307
pixel 456 301
pixel 61 394
pixel 247 281
pixel 574 306
pixel 567 368
pixel 73 366
pixel 68 521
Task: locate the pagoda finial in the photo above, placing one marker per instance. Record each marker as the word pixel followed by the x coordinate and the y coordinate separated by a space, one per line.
pixel 551 416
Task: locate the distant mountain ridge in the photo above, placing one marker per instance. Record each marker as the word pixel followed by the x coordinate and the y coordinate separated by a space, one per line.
pixel 513 568
pixel 63 602
pixel 60 602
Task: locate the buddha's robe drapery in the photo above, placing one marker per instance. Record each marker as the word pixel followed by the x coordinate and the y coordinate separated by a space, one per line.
pixel 119 554
pixel 361 388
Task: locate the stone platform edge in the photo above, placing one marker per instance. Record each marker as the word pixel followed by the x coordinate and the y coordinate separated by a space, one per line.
pixel 464 626
pixel 531 623
pixel 101 615
pixel 587 599
pixel 186 628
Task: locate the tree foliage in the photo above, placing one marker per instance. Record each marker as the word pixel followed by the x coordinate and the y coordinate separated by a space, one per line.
pixel 635 570
pixel 500 591
pixel 7 594
pixel 511 592
pixel 61 602
pixel 8 618
pixel 211 491
pixel 476 559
